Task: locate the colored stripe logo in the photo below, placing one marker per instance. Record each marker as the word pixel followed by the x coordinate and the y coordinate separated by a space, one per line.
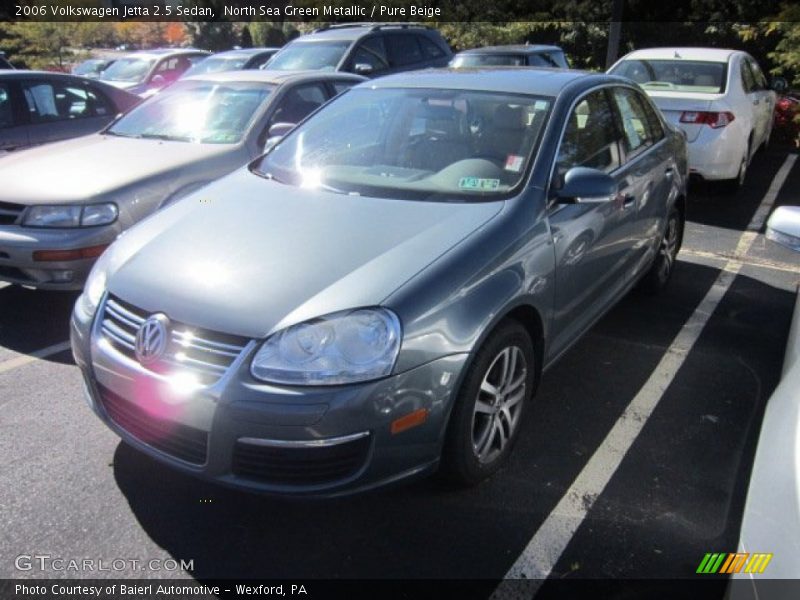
pixel 729 563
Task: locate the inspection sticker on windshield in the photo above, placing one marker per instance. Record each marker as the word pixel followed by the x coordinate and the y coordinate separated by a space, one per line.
pixel 479 184
pixel 514 163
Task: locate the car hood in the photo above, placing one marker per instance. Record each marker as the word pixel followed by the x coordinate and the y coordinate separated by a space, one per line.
pixel 85 168
pixel 248 256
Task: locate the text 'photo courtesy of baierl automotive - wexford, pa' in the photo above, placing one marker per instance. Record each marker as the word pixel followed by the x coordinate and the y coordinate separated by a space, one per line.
pixel 399 300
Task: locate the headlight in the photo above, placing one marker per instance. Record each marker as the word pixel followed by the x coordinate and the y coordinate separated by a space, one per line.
pixel 94 288
pixel 344 347
pixel 70 215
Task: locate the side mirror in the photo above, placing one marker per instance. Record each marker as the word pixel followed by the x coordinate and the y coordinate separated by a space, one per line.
pixel 583 185
pixel 276 133
pixel 779 84
pixel 783 227
pixel 363 68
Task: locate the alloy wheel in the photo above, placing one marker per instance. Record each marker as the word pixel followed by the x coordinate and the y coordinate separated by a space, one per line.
pixel 499 404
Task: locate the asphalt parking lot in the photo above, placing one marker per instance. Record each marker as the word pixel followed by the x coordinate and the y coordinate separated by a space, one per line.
pixel 633 462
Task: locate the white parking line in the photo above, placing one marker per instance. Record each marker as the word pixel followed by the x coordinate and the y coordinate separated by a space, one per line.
pixel 25 359
pixel 546 546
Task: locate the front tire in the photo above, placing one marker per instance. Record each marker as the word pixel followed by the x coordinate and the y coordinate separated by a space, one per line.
pixel 488 410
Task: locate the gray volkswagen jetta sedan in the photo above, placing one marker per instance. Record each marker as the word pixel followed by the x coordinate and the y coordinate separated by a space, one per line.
pixel 378 295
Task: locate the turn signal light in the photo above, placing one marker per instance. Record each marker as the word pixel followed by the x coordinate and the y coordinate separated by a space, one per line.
pixel 715 120
pixel 418 417
pixel 64 255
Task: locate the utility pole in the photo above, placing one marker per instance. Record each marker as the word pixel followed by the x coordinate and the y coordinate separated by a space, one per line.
pixel 614 32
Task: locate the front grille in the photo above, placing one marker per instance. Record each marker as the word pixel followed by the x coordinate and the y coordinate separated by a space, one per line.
pixel 204 353
pixel 9 213
pixel 178 440
pixel 300 466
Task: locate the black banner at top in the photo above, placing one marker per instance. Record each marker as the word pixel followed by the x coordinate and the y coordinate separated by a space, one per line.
pixel 392 10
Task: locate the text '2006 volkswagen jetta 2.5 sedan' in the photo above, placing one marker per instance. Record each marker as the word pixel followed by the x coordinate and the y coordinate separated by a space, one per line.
pixel 379 294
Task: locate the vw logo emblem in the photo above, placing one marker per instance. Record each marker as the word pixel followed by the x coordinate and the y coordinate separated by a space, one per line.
pixel 151 339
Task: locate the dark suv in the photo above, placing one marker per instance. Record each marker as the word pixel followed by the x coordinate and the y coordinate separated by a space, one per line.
pixel 369 49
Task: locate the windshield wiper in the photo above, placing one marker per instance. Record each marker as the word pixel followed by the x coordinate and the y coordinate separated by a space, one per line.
pixel 165 137
pixel 117 134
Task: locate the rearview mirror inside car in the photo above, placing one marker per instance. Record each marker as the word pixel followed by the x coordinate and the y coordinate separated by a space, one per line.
pixel 585 185
pixel 783 227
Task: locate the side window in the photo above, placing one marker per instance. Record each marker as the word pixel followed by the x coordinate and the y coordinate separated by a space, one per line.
pixel 258 63
pixel 47 102
pixel 403 49
pixel 748 81
pixel 656 126
pixel 6 110
pixel 590 138
pixel 635 122
pixel 298 103
pixel 429 48
pixel 758 75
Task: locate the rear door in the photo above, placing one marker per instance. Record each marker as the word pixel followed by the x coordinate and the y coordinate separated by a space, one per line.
pixel 13 126
pixel 763 99
pixel 593 241
pixel 648 169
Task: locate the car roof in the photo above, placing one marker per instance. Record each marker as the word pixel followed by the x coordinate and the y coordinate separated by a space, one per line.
pixel 25 74
pixel 535 81
pixel 688 53
pixel 275 77
pixel 516 48
pixel 354 31
pixel 243 52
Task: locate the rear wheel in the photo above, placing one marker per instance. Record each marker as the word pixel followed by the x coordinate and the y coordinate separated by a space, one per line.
pixel 489 407
pixel 732 186
pixel 660 272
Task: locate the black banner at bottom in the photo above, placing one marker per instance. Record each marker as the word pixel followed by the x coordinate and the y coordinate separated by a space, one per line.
pixel 701 587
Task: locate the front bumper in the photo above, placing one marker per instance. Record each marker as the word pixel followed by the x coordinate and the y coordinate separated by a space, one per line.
pixel 17 245
pixel 239 432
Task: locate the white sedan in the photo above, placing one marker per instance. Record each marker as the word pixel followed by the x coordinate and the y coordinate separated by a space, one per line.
pixel 719 98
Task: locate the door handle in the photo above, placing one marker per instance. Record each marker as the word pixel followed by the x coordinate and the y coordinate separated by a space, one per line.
pixel 669 172
pixel 628 200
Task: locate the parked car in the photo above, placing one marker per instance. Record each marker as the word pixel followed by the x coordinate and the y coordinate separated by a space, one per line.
pixel 4 62
pixel 233 60
pixel 146 72
pixel 61 206
pixel 719 98
pixel 92 67
pixel 369 49
pixel 381 291
pixel 41 107
pixel 771 520
pixel 527 55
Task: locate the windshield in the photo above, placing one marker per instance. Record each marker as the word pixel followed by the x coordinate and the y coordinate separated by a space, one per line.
pixel 675 75
pixel 488 60
pixel 309 55
pixel 128 69
pixel 426 144
pixel 216 65
pixel 196 111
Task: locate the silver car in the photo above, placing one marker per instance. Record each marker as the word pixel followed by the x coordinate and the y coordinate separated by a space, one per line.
pixel 62 205
pixel 379 295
